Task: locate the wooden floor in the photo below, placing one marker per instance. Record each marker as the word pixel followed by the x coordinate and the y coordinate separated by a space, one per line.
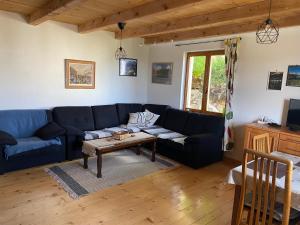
pixel 179 196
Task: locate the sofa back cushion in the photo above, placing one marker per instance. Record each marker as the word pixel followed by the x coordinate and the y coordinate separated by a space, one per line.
pixel 125 108
pixel 80 117
pixel 22 123
pixel 105 116
pixel 200 123
pixel 175 120
pixel 160 110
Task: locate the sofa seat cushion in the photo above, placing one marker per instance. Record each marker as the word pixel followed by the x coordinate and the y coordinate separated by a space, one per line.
pixel 107 132
pixel 164 133
pixel 29 144
pixel 96 134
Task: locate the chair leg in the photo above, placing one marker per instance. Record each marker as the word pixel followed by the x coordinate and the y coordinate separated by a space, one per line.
pixel 248 216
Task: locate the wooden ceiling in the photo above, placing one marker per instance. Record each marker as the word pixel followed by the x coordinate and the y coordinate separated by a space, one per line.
pixel 158 20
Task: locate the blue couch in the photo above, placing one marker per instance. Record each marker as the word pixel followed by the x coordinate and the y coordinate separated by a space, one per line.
pixel 200 141
pixel 29 150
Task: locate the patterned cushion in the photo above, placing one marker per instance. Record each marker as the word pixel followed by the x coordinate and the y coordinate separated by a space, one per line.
pixel 142 119
pixel 150 118
pixel 131 129
pixel 107 132
pixel 165 134
pixel 96 134
pixel 137 119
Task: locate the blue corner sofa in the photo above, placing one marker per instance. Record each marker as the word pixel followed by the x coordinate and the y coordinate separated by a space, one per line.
pixel 200 136
pixel 29 150
pixel 191 138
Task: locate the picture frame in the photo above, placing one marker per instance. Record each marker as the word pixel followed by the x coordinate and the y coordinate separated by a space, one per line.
pixel 128 67
pixel 275 81
pixel 79 74
pixel 162 73
pixel 293 76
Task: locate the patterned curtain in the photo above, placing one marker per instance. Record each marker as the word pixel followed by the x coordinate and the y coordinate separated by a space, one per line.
pixel 231 56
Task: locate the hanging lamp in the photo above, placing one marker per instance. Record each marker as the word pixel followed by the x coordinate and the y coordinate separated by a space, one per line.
pixel 268 31
pixel 120 52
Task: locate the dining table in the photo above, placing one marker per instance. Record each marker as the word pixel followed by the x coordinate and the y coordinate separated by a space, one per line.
pixel 235 177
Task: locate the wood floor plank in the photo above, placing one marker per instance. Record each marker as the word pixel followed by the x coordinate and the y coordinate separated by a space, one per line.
pixel 180 196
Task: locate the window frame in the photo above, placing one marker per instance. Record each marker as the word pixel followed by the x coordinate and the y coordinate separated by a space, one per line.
pixel 208 55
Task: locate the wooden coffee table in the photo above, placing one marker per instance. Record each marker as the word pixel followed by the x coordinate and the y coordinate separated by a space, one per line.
pixel 106 145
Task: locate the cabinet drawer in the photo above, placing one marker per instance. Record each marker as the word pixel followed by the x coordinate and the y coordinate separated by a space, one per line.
pixel 286 137
pixel 289 147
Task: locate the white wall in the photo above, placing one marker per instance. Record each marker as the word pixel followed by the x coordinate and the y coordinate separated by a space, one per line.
pixel 251 99
pixel 32 65
pixel 172 94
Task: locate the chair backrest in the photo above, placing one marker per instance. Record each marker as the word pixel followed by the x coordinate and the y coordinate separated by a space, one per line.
pixel 261 143
pixel 263 192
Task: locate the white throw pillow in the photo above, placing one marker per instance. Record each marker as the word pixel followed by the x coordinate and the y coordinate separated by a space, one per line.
pixel 150 118
pixel 136 120
pixel 142 119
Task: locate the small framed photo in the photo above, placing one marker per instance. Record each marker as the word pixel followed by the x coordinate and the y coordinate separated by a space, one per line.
pixel 275 81
pixel 79 74
pixel 293 76
pixel 162 73
pixel 128 67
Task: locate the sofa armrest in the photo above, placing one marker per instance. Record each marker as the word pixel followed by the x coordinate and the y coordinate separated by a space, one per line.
pixel 7 139
pixel 200 138
pixel 73 131
pixel 203 149
pixel 50 131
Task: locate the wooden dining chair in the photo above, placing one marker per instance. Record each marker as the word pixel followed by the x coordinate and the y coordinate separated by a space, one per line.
pixel 261 211
pixel 261 143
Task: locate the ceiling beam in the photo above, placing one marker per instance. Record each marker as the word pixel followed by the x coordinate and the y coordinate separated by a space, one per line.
pixel 223 17
pixel 51 9
pixel 135 13
pixel 218 31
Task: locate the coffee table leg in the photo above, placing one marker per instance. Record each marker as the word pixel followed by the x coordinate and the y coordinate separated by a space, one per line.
pixel 85 161
pixel 153 151
pixel 99 164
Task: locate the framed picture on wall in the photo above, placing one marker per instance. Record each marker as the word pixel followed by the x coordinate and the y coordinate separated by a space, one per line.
pixel 293 76
pixel 162 73
pixel 79 74
pixel 275 81
pixel 128 67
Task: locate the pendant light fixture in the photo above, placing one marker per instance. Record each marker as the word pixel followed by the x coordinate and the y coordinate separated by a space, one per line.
pixel 121 53
pixel 268 31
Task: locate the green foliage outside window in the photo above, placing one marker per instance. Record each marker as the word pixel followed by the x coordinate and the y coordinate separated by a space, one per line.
pixel 218 69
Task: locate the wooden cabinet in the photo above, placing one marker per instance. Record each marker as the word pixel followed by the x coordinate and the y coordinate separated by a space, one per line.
pixel 281 139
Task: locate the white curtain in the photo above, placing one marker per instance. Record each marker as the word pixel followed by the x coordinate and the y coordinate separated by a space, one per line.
pixel 231 57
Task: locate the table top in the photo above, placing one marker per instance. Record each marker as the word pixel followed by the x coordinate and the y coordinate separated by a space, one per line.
pixel 102 144
pixel 235 177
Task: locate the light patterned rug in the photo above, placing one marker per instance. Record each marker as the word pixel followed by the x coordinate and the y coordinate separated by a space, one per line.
pixel 117 168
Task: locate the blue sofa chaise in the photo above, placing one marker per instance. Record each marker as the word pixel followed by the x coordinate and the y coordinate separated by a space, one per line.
pixel 28 149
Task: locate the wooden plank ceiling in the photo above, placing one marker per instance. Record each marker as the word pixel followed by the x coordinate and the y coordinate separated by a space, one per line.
pixel 158 20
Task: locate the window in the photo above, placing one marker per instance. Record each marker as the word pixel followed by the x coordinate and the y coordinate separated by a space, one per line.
pixel 205 82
